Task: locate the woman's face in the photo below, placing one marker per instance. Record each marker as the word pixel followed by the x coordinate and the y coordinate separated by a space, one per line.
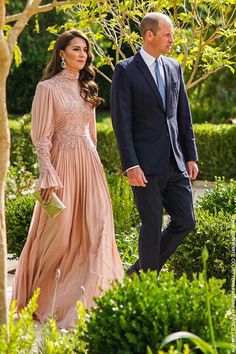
pixel 75 54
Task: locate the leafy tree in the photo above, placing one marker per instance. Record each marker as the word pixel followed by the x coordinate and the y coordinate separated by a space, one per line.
pixel 204 36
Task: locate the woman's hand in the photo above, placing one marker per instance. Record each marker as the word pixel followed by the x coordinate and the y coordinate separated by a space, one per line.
pixel 46 194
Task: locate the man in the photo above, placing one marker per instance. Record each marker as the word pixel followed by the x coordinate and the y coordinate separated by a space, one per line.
pixel 153 126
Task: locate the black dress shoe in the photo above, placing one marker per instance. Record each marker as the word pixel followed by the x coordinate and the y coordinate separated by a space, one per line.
pixel 131 271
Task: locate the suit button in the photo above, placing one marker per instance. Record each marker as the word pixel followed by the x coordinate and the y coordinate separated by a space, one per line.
pixel 167 134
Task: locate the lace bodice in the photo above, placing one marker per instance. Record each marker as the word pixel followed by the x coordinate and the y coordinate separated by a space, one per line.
pixel 60 118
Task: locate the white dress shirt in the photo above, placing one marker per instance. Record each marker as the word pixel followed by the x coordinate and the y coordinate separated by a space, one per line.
pixel 150 61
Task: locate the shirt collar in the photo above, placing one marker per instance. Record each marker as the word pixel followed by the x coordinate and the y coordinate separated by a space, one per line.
pixel 149 59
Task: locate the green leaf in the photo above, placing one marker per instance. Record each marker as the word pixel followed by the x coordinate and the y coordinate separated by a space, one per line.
pixel 202 345
pixel 17 55
pixel 149 351
pixel 36 26
pixel 205 254
pixel 51 45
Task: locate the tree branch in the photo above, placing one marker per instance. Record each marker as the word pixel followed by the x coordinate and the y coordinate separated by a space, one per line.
pixel 2 13
pixel 22 19
pixel 204 77
pixel 104 75
pixel 42 8
pixel 197 60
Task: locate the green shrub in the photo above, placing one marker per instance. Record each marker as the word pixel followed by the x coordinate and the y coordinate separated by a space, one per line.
pixel 127 243
pixel 140 313
pixel 124 210
pixel 214 214
pixel 125 217
pixel 172 350
pixel 18 216
pixel 22 150
pixel 21 336
pixel 222 197
pixel 19 182
pixel 214 231
pixel 54 341
pixel 107 147
pixel 216 145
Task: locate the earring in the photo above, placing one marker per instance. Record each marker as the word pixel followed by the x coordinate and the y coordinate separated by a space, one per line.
pixel 63 63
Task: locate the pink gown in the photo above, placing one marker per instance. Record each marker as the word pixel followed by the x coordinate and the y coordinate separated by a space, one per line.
pixel 80 241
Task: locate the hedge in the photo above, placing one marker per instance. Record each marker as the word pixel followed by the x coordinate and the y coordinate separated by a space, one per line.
pixel 216 146
pixel 214 214
pixel 140 313
pixel 18 215
pixel 214 231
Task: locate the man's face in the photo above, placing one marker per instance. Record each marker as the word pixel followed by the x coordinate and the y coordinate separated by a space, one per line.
pixel 161 42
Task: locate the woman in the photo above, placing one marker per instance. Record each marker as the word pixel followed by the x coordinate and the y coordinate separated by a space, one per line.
pixel 80 241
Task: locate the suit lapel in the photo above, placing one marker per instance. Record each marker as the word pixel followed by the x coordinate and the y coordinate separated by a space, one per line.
pixel 148 76
pixel 167 81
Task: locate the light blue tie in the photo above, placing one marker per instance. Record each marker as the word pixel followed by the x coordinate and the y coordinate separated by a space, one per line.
pixel 160 83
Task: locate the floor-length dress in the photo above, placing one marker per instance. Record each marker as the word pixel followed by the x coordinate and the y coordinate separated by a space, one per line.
pixel 80 241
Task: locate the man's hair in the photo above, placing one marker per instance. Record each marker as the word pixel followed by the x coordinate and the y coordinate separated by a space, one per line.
pixel 151 22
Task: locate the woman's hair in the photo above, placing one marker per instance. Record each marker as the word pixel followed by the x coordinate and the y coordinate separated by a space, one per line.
pixel 89 89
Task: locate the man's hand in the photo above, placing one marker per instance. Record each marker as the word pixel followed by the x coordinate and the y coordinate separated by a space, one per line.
pixel 136 177
pixel 192 169
pixel 46 194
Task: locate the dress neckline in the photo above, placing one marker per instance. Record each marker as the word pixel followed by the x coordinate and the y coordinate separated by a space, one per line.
pixel 70 75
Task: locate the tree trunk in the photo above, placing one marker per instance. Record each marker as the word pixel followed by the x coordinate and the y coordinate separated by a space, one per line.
pixel 32 7
pixel 4 161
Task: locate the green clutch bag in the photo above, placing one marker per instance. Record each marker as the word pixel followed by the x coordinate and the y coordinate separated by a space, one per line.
pixel 54 208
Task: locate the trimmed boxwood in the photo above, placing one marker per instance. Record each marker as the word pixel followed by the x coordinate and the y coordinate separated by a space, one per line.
pixel 18 216
pixel 140 313
pixel 107 147
pixel 214 215
pixel 216 145
pixel 214 231
pixel 221 198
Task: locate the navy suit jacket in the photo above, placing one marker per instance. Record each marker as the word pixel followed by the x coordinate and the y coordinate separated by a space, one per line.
pixel 145 131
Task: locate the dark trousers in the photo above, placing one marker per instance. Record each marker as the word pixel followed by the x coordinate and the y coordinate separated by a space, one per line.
pixel 171 190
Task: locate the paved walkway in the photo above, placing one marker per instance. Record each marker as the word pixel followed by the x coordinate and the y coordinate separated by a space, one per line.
pixel 198 190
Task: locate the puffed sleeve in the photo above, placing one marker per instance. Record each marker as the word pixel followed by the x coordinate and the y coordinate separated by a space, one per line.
pixel 42 130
